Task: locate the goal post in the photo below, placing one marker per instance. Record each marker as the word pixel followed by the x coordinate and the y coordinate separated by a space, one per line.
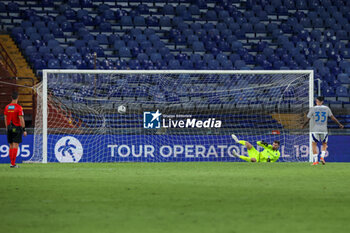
pixel 199 109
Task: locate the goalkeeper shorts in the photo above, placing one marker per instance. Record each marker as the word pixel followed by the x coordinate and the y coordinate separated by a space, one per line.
pixel 320 137
pixel 253 153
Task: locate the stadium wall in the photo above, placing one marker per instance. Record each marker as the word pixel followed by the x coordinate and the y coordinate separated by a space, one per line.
pixel 196 149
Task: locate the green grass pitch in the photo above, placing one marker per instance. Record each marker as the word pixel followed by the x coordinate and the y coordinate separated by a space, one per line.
pixel 175 197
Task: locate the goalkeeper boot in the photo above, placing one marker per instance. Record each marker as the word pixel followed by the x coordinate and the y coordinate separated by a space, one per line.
pixel 235 138
pixel 235 154
pixel 322 161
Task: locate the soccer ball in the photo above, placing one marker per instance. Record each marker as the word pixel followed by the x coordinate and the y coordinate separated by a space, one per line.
pixel 121 109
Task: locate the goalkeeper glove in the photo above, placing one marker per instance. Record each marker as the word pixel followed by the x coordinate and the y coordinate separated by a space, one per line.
pixel 264 143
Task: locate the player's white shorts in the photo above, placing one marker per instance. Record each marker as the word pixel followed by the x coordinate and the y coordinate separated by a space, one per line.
pixel 320 137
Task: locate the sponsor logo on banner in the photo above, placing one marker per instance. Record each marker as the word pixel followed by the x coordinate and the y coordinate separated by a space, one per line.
pixel 156 120
pixel 151 120
pixel 68 150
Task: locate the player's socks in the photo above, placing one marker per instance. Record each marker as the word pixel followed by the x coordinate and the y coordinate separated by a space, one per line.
pixel 14 155
pixel 242 142
pixel 245 158
pixel 323 153
pixel 11 156
pixel 314 159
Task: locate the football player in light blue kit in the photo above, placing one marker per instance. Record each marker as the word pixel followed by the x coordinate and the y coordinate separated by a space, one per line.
pixel 318 117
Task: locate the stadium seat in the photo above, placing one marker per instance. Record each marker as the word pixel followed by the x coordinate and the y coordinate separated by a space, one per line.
pixel 342 91
pixel 235 45
pixel 198 46
pixel 124 52
pixel 52 43
pixel 180 9
pixel 39 24
pixel 70 50
pixel 126 21
pixel 57 32
pixel 168 9
pixel 98 50
pixel 102 39
pixel 328 91
pixel 134 64
pixel 164 50
pixel 105 27
pixel 82 32
pixel 187 65
pixel 194 9
pixel 148 31
pixel 34 36
pixel 92 43
pixel 39 64
pixel 119 44
pixel 139 21
pixel 174 64
pixel 239 64
pixel 62 56
pixel 191 39
pixel 234 57
pixel 70 14
pixel 227 65
pixel 158 44
pixel 13 7
pixel 66 64
pixel 152 21
pixel 259 27
pixel 165 21
pixel 213 65
pixel 168 57
pixel 30 50
pixel 211 15
pixel 344 65
pixel 344 78
pixel 132 44
pixel 2 7
pixel 268 52
pixel 145 44
pixel 57 50
pixel 53 64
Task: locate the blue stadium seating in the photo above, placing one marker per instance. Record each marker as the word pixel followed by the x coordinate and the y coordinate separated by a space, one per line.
pixel 277 34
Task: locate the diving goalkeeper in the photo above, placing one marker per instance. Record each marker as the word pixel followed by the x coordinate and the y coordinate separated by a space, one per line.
pixel 269 154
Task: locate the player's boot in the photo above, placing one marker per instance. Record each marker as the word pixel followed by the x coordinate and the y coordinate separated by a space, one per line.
pixel 314 163
pixel 322 161
pixel 14 166
pixel 235 154
pixel 235 138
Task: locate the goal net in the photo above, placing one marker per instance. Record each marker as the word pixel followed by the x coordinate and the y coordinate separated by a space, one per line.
pixel 169 116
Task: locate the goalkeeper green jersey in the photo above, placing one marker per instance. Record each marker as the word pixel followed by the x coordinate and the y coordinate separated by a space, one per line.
pixel 268 152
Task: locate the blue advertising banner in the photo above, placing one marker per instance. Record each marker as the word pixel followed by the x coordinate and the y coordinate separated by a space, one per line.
pixel 25 150
pixel 160 148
